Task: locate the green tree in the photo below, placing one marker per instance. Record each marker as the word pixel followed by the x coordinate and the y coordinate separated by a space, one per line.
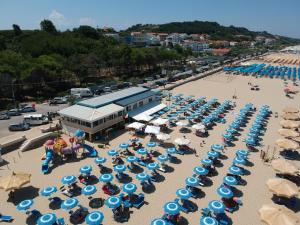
pixel 48 26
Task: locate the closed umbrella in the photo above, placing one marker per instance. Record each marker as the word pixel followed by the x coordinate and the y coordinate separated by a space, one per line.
pixel 14 181
pixel 282 187
pixel 284 167
pixel 287 144
pixel 288 133
pixel 289 124
pixel 274 214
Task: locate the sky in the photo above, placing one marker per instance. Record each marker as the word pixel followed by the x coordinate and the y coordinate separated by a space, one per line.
pixel 275 16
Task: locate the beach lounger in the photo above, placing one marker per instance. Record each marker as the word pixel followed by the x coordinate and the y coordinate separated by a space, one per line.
pixel 4 218
pixel 140 201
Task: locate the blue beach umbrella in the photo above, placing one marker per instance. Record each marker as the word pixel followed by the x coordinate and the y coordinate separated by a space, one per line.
pixel 207 162
pixel 151 144
pixel 171 151
pixel 142 176
pixel 25 205
pixel 89 190
pixel 200 170
pixel 142 151
pixel 94 218
pixel 183 193
pixel 107 177
pixel 242 153
pixel 47 219
pixel 124 145
pixel 131 159
pixel 216 206
pixel 112 152
pixel 192 181
pixel 152 166
pixel 251 141
pixel 69 203
pixel 113 202
pixel 86 170
pixel 48 191
pixel 217 147
pixel 227 136
pixel 100 160
pixel 172 208
pixel 68 179
pixel 163 158
pixel 120 168
pixel 207 220
pixel 213 154
pixel 129 188
pixel 224 192
pixel 230 180
pixel 235 170
pixel 159 222
pixel 239 161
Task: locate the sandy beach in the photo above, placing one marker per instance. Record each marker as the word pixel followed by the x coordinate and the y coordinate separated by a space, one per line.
pixel 221 86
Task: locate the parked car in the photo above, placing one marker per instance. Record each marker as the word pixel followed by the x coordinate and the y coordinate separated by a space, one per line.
pixel 4 116
pixel 18 127
pixel 107 89
pixel 13 112
pixel 60 100
pixel 114 87
pixel 28 109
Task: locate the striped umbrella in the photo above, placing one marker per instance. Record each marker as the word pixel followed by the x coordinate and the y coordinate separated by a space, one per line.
pixel 25 205
pixel 68 179
pixel 192 181
pixel 235 170
pixel 230 180
pixel 225 192
pixel 69 203
pixel 113 202
pixel 207 162
pixel 183 193
pixel 239 161
pixel 106 177
pixel 86 170
pixel 89 190
pixel 129 188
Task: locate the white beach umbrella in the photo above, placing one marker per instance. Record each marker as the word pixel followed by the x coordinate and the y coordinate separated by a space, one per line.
pixel 182 141
pixel 182 123
pixel 152 130
pixel 198 126
pixel 159 121
pixel 163 137
pixel 136 125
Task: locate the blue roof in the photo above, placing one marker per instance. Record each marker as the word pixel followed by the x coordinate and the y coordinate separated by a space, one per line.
pixel 135 98
pixel 112 97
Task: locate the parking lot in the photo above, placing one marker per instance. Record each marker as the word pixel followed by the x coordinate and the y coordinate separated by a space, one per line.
pixel 40 108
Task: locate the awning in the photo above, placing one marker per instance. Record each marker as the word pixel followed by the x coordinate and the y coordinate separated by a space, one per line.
pixel 146 111
pixel 160 121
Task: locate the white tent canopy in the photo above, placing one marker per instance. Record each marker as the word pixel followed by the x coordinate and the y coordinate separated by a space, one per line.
pixel 182 141
pixel 136 125
pixel 152 130
pixel 163 137
pixel 159 121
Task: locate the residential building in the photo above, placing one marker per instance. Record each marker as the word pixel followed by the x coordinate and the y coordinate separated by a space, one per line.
pixel 175 38
pixel 98 115
pixel 138 38
pixel 199 37
pixel 195 46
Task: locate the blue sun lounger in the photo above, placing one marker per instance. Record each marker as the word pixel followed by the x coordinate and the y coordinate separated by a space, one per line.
pixel 4 218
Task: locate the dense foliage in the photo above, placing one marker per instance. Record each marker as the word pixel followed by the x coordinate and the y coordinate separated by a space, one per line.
pixel 45 62
pixel 214 29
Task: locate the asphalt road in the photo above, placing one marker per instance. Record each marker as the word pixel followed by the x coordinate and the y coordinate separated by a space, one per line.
pixel 40 108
